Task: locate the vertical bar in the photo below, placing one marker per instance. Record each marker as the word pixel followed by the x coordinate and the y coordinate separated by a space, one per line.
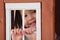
pixel 8 24
pixel 23 22
pixel 38 24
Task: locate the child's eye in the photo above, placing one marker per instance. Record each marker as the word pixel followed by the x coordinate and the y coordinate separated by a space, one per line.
pixel 25 15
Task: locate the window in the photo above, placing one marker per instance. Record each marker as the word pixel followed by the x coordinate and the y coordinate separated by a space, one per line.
pixel 24 19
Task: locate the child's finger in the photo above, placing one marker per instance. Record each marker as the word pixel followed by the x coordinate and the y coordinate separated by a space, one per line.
pixel 28 30
pixel 20 31
pixel 12 31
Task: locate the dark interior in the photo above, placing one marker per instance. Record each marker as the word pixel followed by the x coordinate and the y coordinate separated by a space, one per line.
pixel 57 17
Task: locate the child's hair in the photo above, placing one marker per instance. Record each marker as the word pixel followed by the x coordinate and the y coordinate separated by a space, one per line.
pixel 18 20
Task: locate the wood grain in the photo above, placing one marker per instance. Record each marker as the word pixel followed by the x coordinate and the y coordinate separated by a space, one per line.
pixel 1 20
pixel 48 7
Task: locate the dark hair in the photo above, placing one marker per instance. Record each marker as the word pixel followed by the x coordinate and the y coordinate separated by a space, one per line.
pixel 18 19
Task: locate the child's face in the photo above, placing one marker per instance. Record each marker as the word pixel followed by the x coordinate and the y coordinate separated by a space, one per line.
pixel 30 18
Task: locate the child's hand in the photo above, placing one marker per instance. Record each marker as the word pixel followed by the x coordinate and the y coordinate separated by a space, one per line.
pixel 29 33
pixel 30 30
pixel 16 34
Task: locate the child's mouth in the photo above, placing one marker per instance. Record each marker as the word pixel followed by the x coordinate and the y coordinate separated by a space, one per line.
pixel 32 24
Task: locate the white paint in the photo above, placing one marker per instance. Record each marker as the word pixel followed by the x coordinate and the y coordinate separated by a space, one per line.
pixel 23 6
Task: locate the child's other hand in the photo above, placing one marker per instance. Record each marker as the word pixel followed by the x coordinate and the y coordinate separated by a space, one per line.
pixel 16 34
pixel 30 30
pixel 29 33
